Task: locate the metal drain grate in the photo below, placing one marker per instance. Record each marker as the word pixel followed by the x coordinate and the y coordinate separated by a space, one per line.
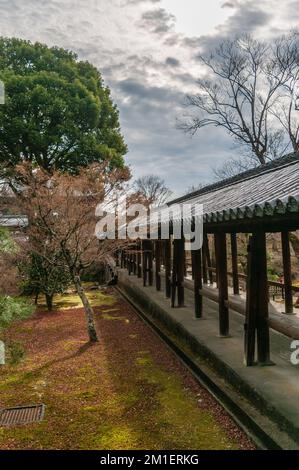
pixel 22 415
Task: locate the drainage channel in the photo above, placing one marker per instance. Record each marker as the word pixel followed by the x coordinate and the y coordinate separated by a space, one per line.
pixel 253 430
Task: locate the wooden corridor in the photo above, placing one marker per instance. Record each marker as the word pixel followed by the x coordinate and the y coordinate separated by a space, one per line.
pixel 247 204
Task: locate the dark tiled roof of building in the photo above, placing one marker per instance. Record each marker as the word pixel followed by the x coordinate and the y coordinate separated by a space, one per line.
pixel 264 191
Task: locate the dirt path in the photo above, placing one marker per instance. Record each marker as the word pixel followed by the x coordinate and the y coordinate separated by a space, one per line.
pixel 127 392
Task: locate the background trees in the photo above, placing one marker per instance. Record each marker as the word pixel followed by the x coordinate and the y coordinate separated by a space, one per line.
pixel 43 275
pixel 12 309
pixel 61 212
pixel 58 117
pixel 152 189
pixel 58 113
pixel 250 91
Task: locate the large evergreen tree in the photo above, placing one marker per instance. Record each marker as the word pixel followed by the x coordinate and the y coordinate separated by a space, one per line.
pixel 58 113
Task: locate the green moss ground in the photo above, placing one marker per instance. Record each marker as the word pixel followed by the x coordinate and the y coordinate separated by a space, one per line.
pixel 127 392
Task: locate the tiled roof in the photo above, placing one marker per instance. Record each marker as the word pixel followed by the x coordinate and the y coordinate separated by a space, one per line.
pixel 264 191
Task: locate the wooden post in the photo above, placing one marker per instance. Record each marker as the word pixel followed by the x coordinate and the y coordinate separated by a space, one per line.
pixel 129 263
pixel 234 250
pixel 158 264
pixel 197 273
pixel 150 264
pixel 139 267
pixel 178 272
pixel 144 263
pixel 147 262
pixel 257 300
pixel 221 253
pixel 167 265
pixel 135 261
pixel 263 333
pixel 251 307
pixel 287 272
pixel 181 272
pixel 204 262
pixel 209 260
pixel 117 253
pixel 216 267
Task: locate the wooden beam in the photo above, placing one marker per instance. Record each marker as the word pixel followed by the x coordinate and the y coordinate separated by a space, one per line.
pixel 234 251
pixel 221 253
pixel 287 272
pixel 197 273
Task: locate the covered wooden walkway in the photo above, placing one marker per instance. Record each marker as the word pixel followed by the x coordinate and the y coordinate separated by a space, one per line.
pixel 257 202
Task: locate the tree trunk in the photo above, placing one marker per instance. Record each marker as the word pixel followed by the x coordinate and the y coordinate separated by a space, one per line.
pixel 93 337
pixel 49 301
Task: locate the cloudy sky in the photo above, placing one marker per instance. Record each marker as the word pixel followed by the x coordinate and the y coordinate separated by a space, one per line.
pixel 147 52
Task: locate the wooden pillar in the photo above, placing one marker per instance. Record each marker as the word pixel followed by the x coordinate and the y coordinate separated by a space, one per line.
pixel 216 267
pixel 147 262
pixel 234 251
pixel 129 262
pixel 139 267
pixel 209 260
pixel 287 272
pixel 167 265
pixel 204 262
pixel 135 260
pixel 256 323
pixel 221 253
pixel 158 264
pixel 144 263
pixel 150 265
pixel 197 274
pixel 178 272
pixel 251 307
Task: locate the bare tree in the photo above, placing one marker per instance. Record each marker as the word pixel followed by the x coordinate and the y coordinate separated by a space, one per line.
pixel 234 166
pixel 287 106
pixel 243 86
pixel 153 189
pixel 194 187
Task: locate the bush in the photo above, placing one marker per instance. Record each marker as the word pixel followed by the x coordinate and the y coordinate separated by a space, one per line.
pixel 15 352
pixel 13 309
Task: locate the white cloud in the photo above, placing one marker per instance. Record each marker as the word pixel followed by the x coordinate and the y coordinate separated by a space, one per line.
pixel 149 61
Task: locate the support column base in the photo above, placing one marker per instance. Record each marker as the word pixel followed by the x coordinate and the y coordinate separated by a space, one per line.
pixel 266 364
